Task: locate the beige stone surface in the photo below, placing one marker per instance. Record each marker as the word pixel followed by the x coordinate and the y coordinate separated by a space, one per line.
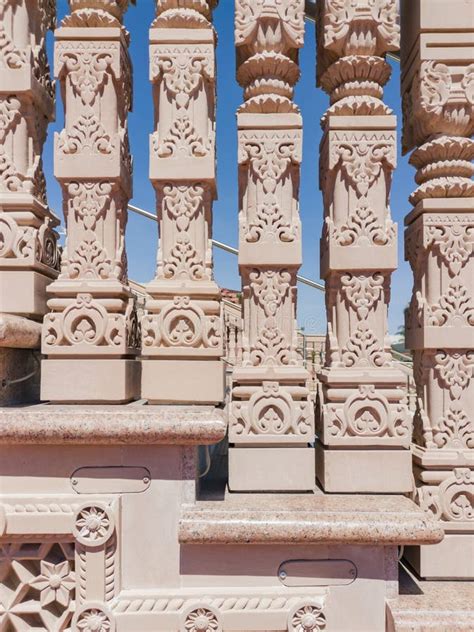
pixel 424 606
pixel 49 424
pixel 304 519
pixel 273 469
pixel 378 471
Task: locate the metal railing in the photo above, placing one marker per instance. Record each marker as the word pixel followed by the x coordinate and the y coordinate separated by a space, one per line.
pixel 226 247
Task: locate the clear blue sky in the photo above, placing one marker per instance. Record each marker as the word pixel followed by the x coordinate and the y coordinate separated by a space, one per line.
pixel 142 233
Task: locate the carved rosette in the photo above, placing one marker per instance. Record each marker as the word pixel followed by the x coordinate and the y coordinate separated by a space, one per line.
pixel 92 308
pixel 307 617
pixel 28 241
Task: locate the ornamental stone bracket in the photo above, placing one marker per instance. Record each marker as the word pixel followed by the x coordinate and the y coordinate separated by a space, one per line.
pixel 271 417
pixel 91 334
pixel 183 332
pixel 437 98
pixel 363 422
pixel 29 257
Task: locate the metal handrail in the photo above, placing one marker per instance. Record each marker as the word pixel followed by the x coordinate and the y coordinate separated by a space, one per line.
pixel 227 248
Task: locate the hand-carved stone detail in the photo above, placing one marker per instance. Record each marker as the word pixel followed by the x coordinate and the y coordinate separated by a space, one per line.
pixel 308 617
pixel 454 370
pixel 40 580
pixel 93 617
pixel 368 413
pixel 93 525
pixel 202 619
pixel 455 430
pixel 182 323
pixel 363 349
pixel 269 161
pixel 271 410
pixel 363 292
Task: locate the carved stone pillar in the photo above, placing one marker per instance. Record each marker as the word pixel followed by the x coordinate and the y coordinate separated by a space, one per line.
pixel 28 252
pixel 363 422
pixel 182 335
pixel 438 100
pixel 271 417
pixel 90 336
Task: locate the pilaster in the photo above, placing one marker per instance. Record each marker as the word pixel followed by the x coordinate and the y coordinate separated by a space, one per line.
pixel 182 334
pixel 90 336
pixel 29 258
pixel 271 417
pixel 363 422
pixel 437 73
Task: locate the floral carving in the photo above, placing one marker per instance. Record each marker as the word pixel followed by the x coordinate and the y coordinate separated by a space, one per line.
pixel 363 349
pixel 271 410
pixel 362 158
pixel 87 69
pixel 269 158
pixel 87 133
pixel 456 495
pixel 182 323
pixel 84 323
pixel 454 243
pixel 94 617
pixel 368 413
pixel 362 28
pixel 265 26
pixel 308 617
pixel 183 71
pixel 453 308
pixel 39 583
pixel 454 430
pixel 363 226
pixel 363 291
pixel 202 619
pixel 454 370
pixel 55 583
pixel 93 525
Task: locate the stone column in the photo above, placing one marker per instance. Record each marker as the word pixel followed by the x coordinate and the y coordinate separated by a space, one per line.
pixel 271 419
pixel 182 335
pixel 28 253
pixel 363 422
pixel 438 99
pixel 90 336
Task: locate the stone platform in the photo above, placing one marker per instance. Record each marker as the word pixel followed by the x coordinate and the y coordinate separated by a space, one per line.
pixel 424 606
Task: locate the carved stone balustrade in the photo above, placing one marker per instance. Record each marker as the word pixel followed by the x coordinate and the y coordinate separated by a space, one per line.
pixel 438 108
pixel 363 423
pixel 271 417
pixel 90 337
pixel 182 335
pixel 29 257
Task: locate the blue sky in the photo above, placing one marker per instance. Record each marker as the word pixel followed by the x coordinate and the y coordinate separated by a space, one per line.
pixel 142 233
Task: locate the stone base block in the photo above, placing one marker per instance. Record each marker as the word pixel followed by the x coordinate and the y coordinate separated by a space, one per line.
pixel 90 381
pixel 453 558
pixel 23 292
pixel 271 469
pixel 183 381
pixel 362 471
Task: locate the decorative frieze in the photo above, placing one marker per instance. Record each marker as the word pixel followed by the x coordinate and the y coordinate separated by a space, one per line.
pixel 29 257
pixel 182 333
pixel 437 74
pixel 362 401
pixel 270 398
pixel 92 308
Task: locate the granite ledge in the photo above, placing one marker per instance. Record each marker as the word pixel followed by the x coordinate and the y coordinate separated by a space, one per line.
pixel 136 423
pixel 17 332
pixel 308 519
